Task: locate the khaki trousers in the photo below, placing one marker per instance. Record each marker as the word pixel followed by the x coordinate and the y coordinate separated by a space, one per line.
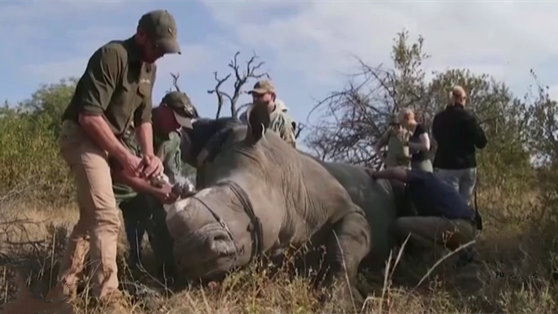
pixel 98 227
pixel 429 232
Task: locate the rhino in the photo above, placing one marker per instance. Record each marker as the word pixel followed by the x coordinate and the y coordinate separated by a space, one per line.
pixel 258 195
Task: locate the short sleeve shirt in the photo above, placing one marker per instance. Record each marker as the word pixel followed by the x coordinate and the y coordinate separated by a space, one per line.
pixel 116 84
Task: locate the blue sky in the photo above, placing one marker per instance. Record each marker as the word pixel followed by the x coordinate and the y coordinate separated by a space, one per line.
pixel 307 45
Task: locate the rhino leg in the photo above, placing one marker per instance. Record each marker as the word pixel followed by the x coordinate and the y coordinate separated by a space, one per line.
pixel 162 245
pixel 347 246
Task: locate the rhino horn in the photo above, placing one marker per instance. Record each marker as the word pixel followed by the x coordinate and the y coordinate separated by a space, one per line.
pixel 258 121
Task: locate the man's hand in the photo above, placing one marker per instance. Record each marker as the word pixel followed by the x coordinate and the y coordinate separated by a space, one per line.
pixel 131 164
pixel 152 166
pixel 165 194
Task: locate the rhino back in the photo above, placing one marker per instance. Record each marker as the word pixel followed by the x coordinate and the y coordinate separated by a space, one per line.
pixel 375 198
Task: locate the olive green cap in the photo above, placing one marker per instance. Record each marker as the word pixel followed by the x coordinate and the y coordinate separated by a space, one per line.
pixel 184 110
pixel 161 27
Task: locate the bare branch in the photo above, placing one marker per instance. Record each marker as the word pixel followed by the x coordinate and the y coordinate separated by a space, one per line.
pixel 351 120
pixel 241 78
pixel 354 118
pixel 175 81
pixel 299 130
pixel 220 94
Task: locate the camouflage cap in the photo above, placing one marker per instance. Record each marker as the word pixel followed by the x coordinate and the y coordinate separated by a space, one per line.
pixel 161 27
pixel 184 110
pixel 262 87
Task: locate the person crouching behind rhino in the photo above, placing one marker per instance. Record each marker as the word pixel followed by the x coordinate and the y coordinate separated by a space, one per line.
pixel 143 211
pixel 443 217
pixel 263 93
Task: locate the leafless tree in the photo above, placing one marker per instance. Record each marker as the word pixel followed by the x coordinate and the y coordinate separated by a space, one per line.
pixel 299 128
pixel 241 78
pixel 354 118
pixel 175 78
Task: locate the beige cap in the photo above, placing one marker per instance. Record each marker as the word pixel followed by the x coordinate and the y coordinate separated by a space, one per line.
pixel 262 87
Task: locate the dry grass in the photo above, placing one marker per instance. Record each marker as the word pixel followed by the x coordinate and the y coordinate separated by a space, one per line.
pixel 507 247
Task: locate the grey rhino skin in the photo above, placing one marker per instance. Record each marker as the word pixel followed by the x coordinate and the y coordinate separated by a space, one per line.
pixel 376 197
pixel 298 198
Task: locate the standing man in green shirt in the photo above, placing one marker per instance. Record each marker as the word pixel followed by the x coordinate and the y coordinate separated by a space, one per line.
pixel 114 91
pixel 145 211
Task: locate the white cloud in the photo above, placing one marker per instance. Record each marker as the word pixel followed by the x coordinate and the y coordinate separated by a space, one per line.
pixel 317 38
pixel 307 45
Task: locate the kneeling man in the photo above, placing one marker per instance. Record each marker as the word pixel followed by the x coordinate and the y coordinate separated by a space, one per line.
pixel 443 217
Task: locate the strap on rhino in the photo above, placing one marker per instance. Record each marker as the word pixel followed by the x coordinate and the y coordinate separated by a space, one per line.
pixel 255 227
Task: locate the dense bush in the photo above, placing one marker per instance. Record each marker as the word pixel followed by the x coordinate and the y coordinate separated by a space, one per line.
pixel 30 161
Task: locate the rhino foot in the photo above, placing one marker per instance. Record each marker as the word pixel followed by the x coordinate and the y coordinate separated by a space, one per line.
pixel 347 297
pixel 342 297
pixel 347 247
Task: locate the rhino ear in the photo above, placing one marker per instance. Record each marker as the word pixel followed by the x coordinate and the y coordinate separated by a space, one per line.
pixel 258 121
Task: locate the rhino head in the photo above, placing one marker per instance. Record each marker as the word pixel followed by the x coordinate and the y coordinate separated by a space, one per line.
pixel 212 231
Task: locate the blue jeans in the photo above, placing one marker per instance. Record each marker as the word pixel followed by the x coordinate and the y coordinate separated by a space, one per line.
pixel 462 180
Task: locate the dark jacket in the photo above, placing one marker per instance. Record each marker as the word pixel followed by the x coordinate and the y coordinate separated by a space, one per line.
pixel 457 133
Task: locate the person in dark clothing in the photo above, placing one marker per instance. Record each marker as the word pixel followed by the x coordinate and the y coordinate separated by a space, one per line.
pixel 442 216
pixel 458 134
pixel 419 141
pixel 142 204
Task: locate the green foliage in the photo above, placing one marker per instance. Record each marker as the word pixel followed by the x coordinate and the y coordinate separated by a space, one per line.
pixel 30 160
pixel 50 101
pixel 362 110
